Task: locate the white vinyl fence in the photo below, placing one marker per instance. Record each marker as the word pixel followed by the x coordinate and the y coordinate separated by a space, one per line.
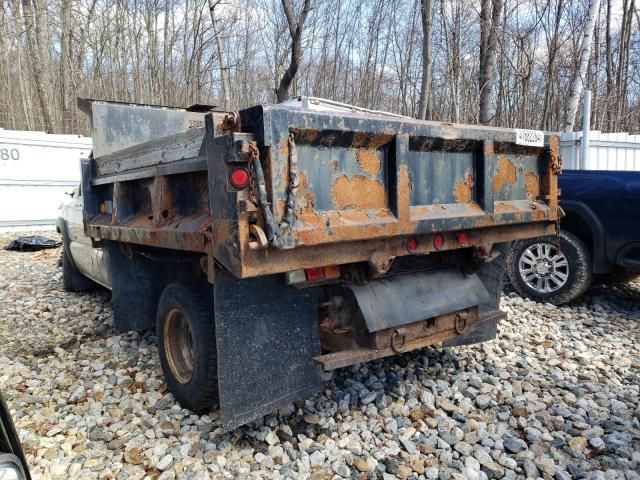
pixel 607 151
pixel 36 169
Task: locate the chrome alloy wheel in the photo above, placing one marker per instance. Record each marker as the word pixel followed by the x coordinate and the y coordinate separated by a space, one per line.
pixel 543 267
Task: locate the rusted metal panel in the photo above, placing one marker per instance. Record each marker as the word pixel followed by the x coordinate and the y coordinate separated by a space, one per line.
pixel 382 177
pixel 403 299
pixel 173 148
pixel 117 125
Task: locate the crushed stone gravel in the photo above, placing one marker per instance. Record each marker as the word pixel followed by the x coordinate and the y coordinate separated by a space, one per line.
pixel 556 395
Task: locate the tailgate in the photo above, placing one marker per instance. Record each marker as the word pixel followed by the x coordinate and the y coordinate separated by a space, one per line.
pixel 364 177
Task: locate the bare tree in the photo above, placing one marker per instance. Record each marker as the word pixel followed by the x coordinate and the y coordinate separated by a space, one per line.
pixel 224 75
pixel 425 86
pixel 553 48
pixel 579 76
pixel 66 65
pixel 490 11
pixel 295 23
pixel 37 63
pixel 373 54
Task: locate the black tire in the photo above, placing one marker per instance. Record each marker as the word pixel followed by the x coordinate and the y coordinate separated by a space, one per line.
pixel 578 272
pixel 72 279
pixel 188 359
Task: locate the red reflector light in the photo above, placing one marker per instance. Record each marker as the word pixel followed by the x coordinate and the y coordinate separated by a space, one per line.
pixel 314 274
pixel 239 178
pixel 438 241
pixel 463 239
pixel 412 244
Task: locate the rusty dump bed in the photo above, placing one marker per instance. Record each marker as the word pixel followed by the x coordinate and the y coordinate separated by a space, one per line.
pixel 327 186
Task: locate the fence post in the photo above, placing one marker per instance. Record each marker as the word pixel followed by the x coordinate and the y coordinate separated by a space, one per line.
pixel 586 126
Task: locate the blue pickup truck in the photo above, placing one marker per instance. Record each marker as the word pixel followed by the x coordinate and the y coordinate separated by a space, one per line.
pixel 599 234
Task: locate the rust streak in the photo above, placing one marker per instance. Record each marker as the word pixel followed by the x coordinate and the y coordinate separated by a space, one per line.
pixel 463 190
pixel 303 183
pixel 311 219
pixel 369 160
pixel 505 208
pixel 404 193
pixel 310 201
pixel 532 185
pixel 283 146
pixel 306 199
pixel 506 173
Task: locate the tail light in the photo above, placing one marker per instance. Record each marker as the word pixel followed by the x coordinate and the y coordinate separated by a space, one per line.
pixel 412 245
pixel 316 274
pixel 438 241
pixel 463 239
pixel 239 178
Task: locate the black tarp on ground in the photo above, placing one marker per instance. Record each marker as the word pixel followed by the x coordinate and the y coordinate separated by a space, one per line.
pixel 32 243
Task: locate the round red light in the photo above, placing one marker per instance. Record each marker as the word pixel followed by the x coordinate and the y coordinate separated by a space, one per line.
pixel 463 239
pixel 438 242
pixel 412 244
pixel 239 178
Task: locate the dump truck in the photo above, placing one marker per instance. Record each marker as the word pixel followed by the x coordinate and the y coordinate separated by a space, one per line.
pixel 273 244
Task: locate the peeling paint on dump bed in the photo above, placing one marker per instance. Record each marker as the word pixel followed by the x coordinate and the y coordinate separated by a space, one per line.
pixel 506 173
pixel 369 160
pixel 531 185
pixel 358 192
pixel 463 190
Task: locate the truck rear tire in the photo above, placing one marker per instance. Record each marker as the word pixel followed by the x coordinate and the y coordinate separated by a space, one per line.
pixel 187 345
pixel 538 270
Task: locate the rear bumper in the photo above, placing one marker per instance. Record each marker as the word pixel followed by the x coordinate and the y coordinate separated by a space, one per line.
pixel 483 330
pixel 253 263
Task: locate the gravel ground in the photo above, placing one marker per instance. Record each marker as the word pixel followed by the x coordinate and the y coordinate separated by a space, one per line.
pixel 555 396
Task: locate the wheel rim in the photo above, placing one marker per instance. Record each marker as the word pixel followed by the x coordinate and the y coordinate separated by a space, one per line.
pixel 543 267
pixel 178 343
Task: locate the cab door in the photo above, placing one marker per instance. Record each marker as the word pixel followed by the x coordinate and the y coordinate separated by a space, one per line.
pixel 89 260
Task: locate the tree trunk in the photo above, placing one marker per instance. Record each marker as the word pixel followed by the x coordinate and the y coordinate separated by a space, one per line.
pixel 609 68
pixel 224 72
pixel 37 66
pixel 579 78
pixel 295 30
pixel 166 57
pixel 66 124
pixel 623 62
pixel 553 50
pixel 488 50
pixel 425 86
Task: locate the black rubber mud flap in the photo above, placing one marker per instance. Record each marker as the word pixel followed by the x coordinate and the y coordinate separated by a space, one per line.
pixel 136 285
pixel 267 336
pixel 486 329
pixel 492 276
